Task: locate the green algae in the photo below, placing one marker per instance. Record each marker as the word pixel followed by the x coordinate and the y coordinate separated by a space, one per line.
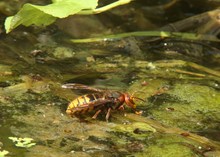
pixel 180 105
pixel 135 129
pixel 171 145
pixel 40 104
pixel 168 151
pixel 195 106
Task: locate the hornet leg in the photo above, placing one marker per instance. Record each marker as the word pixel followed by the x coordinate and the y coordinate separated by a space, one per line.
pixel 96 114
pixel 108 114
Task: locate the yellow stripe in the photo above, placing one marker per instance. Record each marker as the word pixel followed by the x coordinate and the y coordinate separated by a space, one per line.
pixel 83 100
pixel 79 101
pixel 73 104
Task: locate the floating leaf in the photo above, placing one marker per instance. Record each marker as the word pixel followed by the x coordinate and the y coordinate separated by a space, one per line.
pixel 45 15
pixel 30 145
pixel 14 139
pixel 3 153
pixel 22 142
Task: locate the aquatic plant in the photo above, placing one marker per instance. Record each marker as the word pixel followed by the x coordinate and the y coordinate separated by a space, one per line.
pixel 3 153
pixel 22 142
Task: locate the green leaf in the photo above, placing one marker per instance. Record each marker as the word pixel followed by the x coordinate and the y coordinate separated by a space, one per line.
pixel 3 153
pixel 30 145
pixel 27 139
pixel 14 139
pixel 22 142
pixel 45 15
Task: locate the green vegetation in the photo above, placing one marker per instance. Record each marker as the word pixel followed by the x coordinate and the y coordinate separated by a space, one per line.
pixel 177 76
pixel 46 15
pixel 22 142
pixel 3 153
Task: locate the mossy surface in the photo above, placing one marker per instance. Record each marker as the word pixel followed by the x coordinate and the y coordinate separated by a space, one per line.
pixel 188 106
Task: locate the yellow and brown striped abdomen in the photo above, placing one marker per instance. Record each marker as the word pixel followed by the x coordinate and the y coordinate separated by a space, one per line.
pixel 83 103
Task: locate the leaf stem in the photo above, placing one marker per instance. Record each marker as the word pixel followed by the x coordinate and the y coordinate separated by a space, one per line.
pixel 161 34
pixel 105 8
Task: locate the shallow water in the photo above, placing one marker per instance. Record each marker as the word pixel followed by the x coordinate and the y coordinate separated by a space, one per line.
pixel 179 81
